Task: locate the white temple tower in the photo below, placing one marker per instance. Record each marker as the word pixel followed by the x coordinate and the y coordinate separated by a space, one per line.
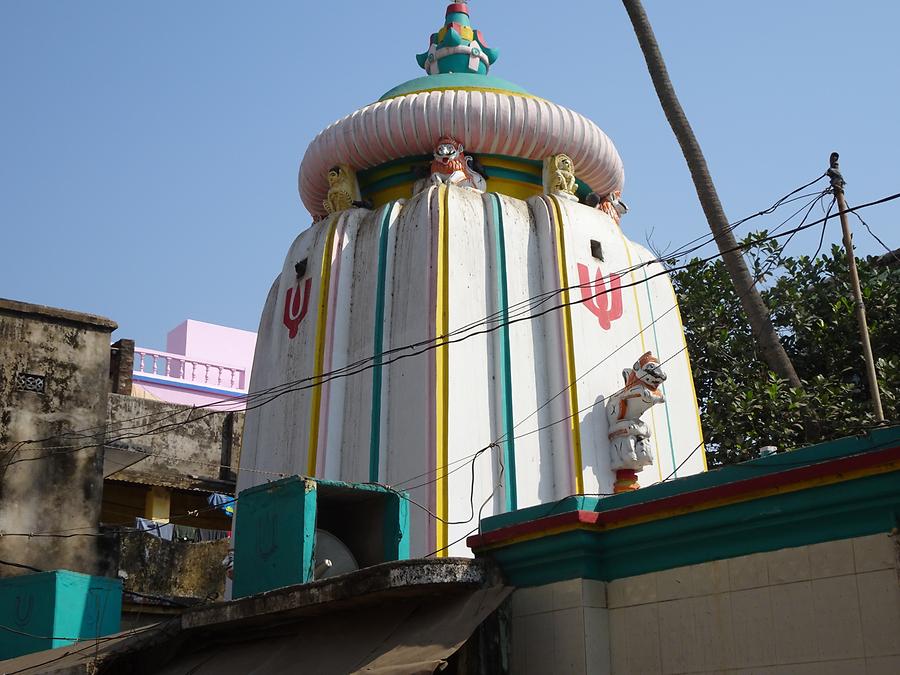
pixel 544 299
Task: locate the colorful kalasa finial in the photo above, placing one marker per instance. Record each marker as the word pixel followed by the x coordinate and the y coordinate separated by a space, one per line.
pixel 457 48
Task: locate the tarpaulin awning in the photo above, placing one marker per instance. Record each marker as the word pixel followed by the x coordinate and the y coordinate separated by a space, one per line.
pixel 396 618
pixel 408 636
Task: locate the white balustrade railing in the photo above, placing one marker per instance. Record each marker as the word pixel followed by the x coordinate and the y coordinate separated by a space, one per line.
pixel 179 368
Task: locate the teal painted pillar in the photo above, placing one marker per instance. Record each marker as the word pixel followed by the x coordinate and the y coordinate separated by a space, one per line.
pixel 274 536
pixel 54 609
pixel 275 529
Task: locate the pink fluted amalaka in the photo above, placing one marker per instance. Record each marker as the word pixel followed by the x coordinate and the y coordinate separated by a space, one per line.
pixel 484 121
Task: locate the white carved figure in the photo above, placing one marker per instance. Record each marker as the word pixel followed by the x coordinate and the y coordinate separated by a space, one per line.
pixel 452 166
pixel 629 436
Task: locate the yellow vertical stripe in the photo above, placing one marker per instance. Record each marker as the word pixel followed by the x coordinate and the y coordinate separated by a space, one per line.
pixel 637 306
pixel 574 420
pixel 321 325
pixel 687 358
pixel 442 370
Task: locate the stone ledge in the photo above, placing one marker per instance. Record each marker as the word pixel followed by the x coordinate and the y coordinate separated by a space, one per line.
pixel 42 312
pixel 365 586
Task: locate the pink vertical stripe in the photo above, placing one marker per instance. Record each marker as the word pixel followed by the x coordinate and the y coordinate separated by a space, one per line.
pixel 558 317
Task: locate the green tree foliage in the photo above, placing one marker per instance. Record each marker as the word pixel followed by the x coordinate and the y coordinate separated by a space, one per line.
pixel 743 404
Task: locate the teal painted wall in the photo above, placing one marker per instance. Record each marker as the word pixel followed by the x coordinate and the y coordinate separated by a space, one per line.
pixel 53 609
pixel 842 510
pixel 460 80
pixel 877 439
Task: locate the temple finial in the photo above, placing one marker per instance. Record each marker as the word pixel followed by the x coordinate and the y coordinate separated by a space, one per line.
pixel 457 48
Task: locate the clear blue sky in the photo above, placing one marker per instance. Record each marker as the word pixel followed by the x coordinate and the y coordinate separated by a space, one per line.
pixel 149 150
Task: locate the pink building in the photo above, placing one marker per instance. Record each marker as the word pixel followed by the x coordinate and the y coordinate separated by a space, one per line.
pixel 203 363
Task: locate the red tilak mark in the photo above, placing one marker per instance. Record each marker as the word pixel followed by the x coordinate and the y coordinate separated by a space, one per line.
pixel 604 303
pixel 296 304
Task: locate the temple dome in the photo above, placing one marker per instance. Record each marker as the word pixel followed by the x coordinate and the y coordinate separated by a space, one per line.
pixel 469 304
pixel 511 130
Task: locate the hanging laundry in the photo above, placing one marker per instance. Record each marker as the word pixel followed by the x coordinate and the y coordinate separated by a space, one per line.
pixel 161 530
pixel 186 533
pixel 212 535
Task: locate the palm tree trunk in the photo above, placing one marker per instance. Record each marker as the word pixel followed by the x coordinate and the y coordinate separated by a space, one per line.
pixel 754 307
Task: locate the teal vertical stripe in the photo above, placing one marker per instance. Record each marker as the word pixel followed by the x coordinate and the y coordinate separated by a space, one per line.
pixel 378 348
pixel 663 385
pixel 509 444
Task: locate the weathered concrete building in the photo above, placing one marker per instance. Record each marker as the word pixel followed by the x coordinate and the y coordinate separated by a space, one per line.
pixel 168 466
pixel 54 383
pixel 83 459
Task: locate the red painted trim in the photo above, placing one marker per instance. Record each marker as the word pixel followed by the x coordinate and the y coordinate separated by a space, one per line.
pixel 694 498
pixel 570 518
pixel 460 7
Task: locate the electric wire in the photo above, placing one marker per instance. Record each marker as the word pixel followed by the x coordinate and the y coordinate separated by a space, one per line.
pixel 809 206
pixel 64 534
pixel 749 465
pixel 890 251
pixel 159 430
pixel 824 227
pixel 452 543
pixel 263 393
pixel 531 432
pixel 569 416
pixel 502 438
pixel 558 421
pixel 445 342
pixel 684 250
pixel 775 258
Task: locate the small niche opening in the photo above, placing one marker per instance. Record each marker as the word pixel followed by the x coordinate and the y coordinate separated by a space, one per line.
pixel 300 268
pixel 597 250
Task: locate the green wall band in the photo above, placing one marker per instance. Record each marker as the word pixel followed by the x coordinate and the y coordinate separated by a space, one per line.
pixel 509 440
pixel 378 347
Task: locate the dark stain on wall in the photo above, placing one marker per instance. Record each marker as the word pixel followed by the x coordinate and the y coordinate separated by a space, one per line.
pixel 46 488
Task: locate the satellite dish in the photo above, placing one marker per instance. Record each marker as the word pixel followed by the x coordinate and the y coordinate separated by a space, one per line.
pixel 332 556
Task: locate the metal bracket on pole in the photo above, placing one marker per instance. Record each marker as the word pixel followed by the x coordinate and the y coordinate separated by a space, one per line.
pixel 834 172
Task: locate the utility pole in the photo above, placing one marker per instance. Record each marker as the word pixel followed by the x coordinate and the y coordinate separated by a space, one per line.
pixel 837 184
